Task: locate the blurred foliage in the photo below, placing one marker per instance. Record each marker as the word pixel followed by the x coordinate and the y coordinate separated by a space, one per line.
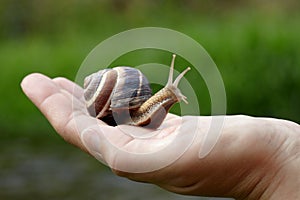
pixel 255 44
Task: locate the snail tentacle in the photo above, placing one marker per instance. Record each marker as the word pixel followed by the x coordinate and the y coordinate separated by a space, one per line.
pixel 154 110
pixel 173 86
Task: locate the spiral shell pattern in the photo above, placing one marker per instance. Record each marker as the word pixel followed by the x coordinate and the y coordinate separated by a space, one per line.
pixel 116 89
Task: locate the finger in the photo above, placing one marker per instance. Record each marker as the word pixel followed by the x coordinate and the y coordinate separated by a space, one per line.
pixel 70 87
pixel 55 104
pixel 32 85
pixel 76 91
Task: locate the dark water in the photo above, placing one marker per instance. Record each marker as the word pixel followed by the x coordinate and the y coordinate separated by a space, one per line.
pixel 63 172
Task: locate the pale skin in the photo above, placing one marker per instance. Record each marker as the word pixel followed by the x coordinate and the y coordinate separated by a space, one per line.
pixel 254 158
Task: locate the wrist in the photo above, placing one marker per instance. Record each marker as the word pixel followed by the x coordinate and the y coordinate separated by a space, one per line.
pixel 281 176
pixel 286 183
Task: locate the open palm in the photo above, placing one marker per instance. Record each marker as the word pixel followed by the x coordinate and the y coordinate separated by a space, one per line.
pixel 246 155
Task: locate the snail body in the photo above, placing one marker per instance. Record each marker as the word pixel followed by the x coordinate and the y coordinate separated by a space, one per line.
pixel 122 95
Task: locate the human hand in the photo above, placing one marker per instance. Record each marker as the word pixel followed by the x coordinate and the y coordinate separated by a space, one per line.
pixel 254 158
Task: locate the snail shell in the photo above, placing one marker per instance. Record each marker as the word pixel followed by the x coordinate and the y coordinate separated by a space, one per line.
pixel 122 95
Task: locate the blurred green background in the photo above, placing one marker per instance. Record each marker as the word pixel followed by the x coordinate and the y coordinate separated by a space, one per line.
pixel 255 44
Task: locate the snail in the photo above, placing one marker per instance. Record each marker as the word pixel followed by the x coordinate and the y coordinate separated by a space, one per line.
pixel 122 95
